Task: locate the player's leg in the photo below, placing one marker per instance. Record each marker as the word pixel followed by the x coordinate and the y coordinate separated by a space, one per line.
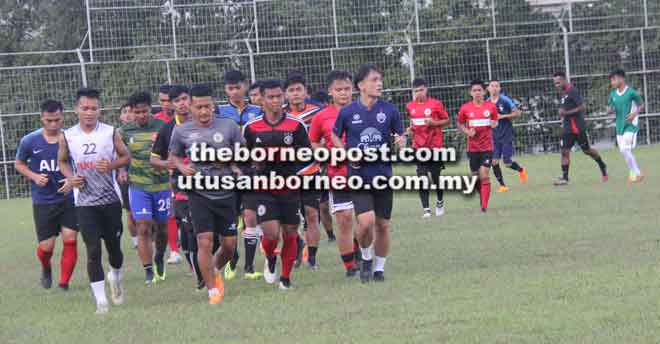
pixel 566 143
pixel 250 236
pixel 88 220
pixel 424 194
pixel 225 222
pixel 230 269
pixel 69 230
pixel 363 203
pixel 313 233
pixel 342 207
pixel 507 155
pixel 268 216
pixel 130 221
pixel 326 216
pixel 474 162
pixel 161 205
pixel 112 229
pixel 289 247
pixel 203 222
pixel 383 210
pixel 436 168
pixel 498 152
pixel 142 212
pixel 627 143
pixel 583 141
pixel 173 241
pixel 484 180
pixel 47 231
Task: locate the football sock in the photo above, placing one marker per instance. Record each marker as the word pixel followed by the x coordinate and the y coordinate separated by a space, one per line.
pixel 514 166
pixel 485 193
pixel 250 241
pixel 173 235
pixel 601 165
pixel 349 260
pixel 379 263
pixel 498 174
pixel 564 171
pixel 98 289
pixel 44 257
pixel 631 162
pixel 68 261
pixel 311 250
pixel 289 251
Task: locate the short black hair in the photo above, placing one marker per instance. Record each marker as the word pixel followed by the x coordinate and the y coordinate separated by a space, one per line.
pixel 255 85
pixel 559 75
pixel 295 78
pixel 494 80
pixel 233 77
pixel 364 70
pixel 123 106
pixel 177 90
pixel 618 72
pixel 338 75
pixel 419 82
pixel 164 89
pixel 50 105
pixel 88 93
pixel 269 85
pixel 202 90
pixel 477 82
pixel 140 98
pixel 320 97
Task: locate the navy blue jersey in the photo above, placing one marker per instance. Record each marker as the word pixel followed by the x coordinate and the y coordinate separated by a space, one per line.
pixel 368 128
pixel 41 158
pixel 241 118
pixel 504 130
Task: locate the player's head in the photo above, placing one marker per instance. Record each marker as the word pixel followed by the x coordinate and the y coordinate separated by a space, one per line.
pixel 477 90
pixel 52 117
pixel 340 87
pixel 559 80
pixel 295 87
pixel 141 105
pixel 88 106
pixel 180 96
pixel 255 94
pixel 369 80
pixel 164 99
pixel 272 94
pixel 202 106
pixel 420 89
pixel 494 88
pixel 235 85
pixel 618 78
pixel 126 114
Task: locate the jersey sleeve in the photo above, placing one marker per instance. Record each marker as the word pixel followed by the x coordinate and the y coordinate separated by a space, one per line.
pixel 637 98
pixel 397 122
pixel 238 136
pixel 24 150
pixel 340 124
pixel 161 146
pixel 176 144
pixel 510 103
pixel 440 112
pixel 496 114
pixel 577 97
pixel 300 137
pixel 122 134
pixel 315 132
pixel 461 116
pixel 610 101
pixel 248 135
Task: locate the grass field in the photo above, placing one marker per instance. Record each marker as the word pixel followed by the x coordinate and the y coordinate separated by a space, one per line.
pixel 577 264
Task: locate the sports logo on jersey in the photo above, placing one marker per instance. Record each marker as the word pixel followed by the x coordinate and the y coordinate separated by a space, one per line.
pixel 288 138
pixel 258 140
pixel 487 113
pixel 370 136
pixel 218 138
pixel 48 166
pixel 37 151
pixel 427 112
pixel 194 136
pixel 356 119
pixel 501 108
pixel 381 117
pixel 261 210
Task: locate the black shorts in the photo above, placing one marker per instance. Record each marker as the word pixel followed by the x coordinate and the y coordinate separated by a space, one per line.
pixel 480 159
pixel 379 201
pixel 182 213
pixel 50 218
pixel 432 167
pixel 100 222
pixel 282 208
pixel 124 196
pixel 310 198
pixel 568 140
pixel 251 200
pixel 213 215
pixel 340 200
pixel 325 196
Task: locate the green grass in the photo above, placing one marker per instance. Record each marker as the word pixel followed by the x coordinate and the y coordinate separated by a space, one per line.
pixel 577 264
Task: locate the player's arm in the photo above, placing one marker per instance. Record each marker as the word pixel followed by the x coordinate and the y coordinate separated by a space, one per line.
pixel 515 112
pixel 338 131
pixel 315 134
pixel 159 150
pixel 637 99
pixel 460 124
pixel 177 154
pixel 301 140
pixel 580 108
pixel 123 155
pixel 22 156
pixel 397 128
pixel 440 118
pixel 64 163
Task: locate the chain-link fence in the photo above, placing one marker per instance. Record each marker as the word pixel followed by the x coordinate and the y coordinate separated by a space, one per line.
pixel 133 45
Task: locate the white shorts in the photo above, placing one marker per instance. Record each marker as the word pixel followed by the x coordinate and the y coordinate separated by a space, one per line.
pixel 340 200
pixel 627 141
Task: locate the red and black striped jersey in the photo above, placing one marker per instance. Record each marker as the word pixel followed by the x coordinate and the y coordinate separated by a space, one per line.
pixel 307 113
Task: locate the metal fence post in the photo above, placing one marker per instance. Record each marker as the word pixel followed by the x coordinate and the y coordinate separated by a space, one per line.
pixel 570 15
pixel 253 75
pixel 646 90
pixel 89 31
pixel 83 71
pixel 173 21
pixel 411 56
pixel 492 13
pixel 332 59
pixel 490 66
pixel 646 14
pixel 4 157
pixel 334 22
pixel 416 19
pixel 256 24
pixel 567 56
pixel 169 72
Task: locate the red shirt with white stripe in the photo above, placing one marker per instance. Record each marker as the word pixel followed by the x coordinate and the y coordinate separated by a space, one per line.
pixel 321 128
pixel 425 135
pixel 479 117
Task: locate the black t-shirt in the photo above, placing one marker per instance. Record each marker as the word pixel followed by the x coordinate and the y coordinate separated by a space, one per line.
pixel 571 99
pixel 161 147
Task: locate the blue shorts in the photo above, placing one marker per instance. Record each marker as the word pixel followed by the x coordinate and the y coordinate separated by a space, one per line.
pixel 147 205
pixel 503 151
